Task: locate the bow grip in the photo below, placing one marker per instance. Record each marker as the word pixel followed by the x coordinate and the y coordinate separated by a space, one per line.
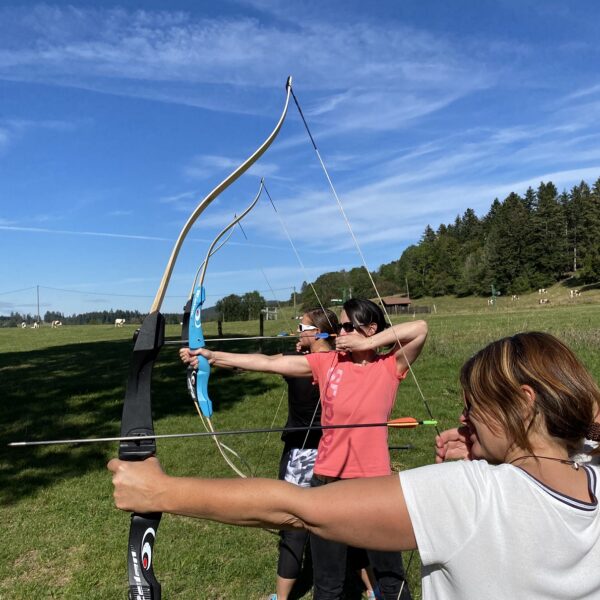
pixel 197 379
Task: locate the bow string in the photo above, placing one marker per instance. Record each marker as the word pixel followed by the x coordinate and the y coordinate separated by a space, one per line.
pixel 372 281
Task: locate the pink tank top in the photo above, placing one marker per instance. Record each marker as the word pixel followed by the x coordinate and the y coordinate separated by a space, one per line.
pixel 354 393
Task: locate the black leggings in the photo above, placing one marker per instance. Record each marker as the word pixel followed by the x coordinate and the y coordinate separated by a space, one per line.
pixel 329 568
pixel 291 543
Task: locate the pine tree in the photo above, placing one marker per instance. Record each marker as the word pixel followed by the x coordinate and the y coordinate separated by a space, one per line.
pixel 590 236
pixel 548 243
pixel 506 245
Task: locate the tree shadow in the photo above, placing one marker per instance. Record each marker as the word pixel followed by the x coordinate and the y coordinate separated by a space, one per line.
pixel 571 282
pixel 76 391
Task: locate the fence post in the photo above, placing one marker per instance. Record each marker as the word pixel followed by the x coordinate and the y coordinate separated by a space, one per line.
pixel 261 329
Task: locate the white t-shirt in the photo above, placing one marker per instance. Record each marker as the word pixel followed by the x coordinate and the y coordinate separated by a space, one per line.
pixel 489 532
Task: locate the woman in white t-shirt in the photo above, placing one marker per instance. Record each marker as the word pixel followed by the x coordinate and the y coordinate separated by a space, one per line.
pixel 520 521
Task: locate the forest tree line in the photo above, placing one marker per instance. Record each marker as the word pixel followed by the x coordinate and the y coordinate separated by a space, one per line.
pixel 230 308
pixel 523 243
pixel 103 317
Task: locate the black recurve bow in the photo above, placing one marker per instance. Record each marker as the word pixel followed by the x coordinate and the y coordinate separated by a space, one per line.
pixel 137 407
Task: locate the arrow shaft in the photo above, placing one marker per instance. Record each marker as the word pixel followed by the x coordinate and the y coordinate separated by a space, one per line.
pixel 166 436
pixel 319 336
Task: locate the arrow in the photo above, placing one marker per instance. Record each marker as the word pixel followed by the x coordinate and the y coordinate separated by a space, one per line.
pixel 401 423
pixel 317 336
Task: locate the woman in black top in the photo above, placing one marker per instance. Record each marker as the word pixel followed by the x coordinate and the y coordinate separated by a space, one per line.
pixel 300 447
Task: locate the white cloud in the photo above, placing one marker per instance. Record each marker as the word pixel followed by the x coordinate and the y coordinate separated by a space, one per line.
pixel 350 68
pixel 203 166
pixel 4 138
pixel 581 93
pixel 12 129
pixel 43 230
pixel 175 198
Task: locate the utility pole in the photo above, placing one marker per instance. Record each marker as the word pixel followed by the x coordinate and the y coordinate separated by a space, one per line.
pixel 294 296
pixel 38 304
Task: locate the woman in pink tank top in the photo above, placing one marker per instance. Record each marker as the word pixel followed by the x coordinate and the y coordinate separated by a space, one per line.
pixel 357 385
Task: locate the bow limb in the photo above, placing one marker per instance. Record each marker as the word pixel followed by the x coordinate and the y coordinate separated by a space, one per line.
pixel 213 248
pixel 200 276
pixel 137 406
pixel 160 294
pixel 193 336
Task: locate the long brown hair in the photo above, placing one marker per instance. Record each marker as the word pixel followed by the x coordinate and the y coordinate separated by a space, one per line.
pixel 326 320
pixel 566 396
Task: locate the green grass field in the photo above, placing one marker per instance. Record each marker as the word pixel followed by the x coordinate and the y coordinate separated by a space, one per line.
pixel 62 537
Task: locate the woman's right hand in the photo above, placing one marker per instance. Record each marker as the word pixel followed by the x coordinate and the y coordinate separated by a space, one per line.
pixel 453 444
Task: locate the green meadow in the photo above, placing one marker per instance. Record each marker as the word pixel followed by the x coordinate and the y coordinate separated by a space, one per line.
pixel 62 536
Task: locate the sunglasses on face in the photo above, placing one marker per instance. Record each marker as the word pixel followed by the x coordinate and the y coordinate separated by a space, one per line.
pixel 302 327
pixel 467 408
pixel 348 327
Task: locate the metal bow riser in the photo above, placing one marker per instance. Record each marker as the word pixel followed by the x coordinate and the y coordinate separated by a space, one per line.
pixel 137 406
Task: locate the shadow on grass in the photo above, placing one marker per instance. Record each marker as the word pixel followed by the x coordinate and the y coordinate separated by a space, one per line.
pixel 572 282
pixel 76 391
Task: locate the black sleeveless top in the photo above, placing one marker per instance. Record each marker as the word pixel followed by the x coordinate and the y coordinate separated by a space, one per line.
pixel 303 399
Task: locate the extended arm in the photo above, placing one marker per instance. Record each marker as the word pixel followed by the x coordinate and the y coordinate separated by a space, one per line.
pixel 288 365
pixel 368 513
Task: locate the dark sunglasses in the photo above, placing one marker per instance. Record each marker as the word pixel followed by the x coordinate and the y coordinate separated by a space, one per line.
pixel 467 408
pixel 348 327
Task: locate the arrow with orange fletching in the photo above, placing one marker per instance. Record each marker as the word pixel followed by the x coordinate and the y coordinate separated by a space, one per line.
pixel 401 423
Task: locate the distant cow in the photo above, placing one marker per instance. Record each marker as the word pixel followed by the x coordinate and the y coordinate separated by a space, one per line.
pixel 23 325
pixel 574 293
pixel 544 301
pixel 119 322
pixel 542 291
pixel 35 325
pixel 56 324
pixel 490 301
pixel 514 297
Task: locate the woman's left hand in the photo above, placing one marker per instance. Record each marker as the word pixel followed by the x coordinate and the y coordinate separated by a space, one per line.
pixel 139 485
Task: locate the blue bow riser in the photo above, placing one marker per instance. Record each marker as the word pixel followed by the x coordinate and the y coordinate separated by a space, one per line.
pixel 197 379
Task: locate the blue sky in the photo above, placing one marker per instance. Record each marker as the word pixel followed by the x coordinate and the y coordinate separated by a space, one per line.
pixel 117 119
